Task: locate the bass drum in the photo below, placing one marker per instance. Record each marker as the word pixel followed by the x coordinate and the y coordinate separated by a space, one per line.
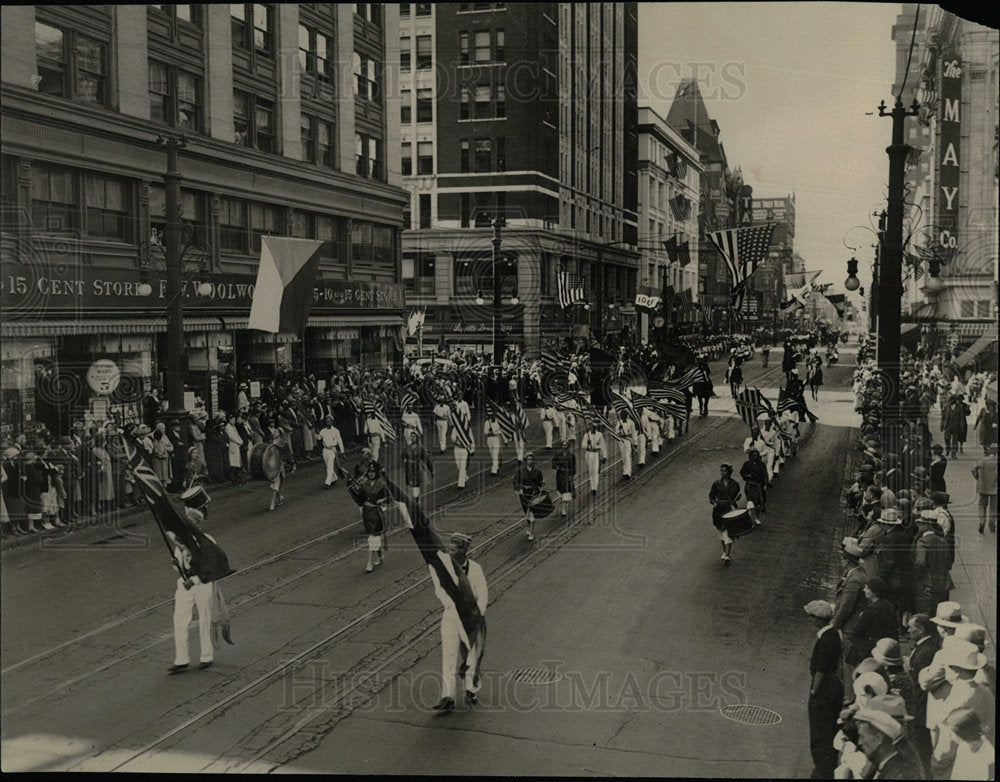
pixel 265 461
pixel 540 505
pixel 738 522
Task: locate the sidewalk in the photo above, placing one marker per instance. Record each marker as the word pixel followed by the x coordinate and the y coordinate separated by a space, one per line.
pixel 975 568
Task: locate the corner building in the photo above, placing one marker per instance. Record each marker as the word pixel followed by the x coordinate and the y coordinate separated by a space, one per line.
pixel 524 112
pixel 286 117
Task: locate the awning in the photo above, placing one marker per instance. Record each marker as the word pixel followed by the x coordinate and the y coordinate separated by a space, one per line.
pixel 979 346
pixel 925 310
pixel 355 320
pixel 131 326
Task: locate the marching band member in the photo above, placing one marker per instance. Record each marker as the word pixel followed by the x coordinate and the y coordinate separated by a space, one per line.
pixel 651 423
pixel 548 414
pixel 640 444
pixel 626 430
pixel 441 412
pixel 493 434
pixel 723 496
pixel 414 457
pixel 564 463
pixel 330 438
pixel 528 483
pixel 412 423
pixel 374 431
pixel 461 453
pixel 596 454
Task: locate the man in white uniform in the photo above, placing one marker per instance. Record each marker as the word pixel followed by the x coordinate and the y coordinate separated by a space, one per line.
pixel 596 453
pixel 626 430
pixel 412 423
pixel 451 625
pixel 441 412
pixel 329 436
pixel 461 453
pixel 374 431
pixel 548 415
pixel 769 436
pixel 651 422
pixel 493 434
pixel 190 592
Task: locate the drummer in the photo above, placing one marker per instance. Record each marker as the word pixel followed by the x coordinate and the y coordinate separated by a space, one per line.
pixel 564 463
pixel 528 484
pixel 723 495
pixel 414 457
pixel 373 491
pixel 196 498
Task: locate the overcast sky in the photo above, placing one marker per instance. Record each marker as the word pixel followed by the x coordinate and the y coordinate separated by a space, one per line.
pixel 789 85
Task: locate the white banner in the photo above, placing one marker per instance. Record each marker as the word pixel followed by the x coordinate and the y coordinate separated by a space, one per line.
pixel 650 302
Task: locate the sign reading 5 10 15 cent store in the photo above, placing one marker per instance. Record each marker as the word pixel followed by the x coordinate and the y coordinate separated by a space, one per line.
pixel 47 290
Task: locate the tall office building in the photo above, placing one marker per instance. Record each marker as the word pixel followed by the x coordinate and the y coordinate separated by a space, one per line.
pixel 286 109
pixel 526 113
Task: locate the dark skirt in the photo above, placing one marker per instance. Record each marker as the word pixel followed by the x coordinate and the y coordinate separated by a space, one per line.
pixel 565 483
pixel 413 474
pixel 371 517
pixel 756 494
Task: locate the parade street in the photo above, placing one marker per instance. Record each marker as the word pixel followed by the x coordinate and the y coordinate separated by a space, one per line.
pixel 642 634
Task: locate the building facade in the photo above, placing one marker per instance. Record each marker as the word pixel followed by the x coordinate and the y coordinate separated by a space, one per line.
pixel 767 284
pixel 952 172
pixel 285 110
pixel 669 194
pixel 523 113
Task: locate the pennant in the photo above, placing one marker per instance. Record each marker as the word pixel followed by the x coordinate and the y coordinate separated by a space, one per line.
pixel 283 293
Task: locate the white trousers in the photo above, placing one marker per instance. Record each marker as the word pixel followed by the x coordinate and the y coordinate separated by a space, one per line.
pixel 451 627
pixel 494 445
pixel 330 459
pixel 442 427
pixel 375 444
pixel 185 601
pixel 669 426
pixel 547 428
pixel 594 468
pixel 768 456
pixel 462 462
pixel 519 448
pixel 654 437
pixel 641 457
pixel 625 448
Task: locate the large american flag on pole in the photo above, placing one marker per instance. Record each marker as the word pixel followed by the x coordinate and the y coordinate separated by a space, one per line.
pixel 508 426
pixel 669 397
pixel 374 409
pixel 743 249
pixel 462 430
pixel 570 288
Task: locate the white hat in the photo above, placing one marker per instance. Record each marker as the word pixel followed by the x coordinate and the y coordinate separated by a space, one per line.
pixel 962 654
pixel 881 721
pixel 890 516
pixel 872 681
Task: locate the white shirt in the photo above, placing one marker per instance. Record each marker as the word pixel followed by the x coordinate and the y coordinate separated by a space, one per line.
pixel 330 437
pixel 411 420
pixel 442 411
pixel 492 429
pixel 595 440
pixel 476 580
pixel 233 435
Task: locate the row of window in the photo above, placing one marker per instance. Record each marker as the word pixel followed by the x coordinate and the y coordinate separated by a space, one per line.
pixel 66 200
pixel 477 155
pixel 482 101
pixel 71 65
pixel 481 46
pixel 471 273
pixel 424 53
pixel 425 105
pixel 421 9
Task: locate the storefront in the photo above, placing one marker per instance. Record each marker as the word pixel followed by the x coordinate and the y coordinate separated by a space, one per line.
pixel 59 322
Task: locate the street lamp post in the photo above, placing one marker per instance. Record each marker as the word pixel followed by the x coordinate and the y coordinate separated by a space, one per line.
pixel 497 344
pixel 891 259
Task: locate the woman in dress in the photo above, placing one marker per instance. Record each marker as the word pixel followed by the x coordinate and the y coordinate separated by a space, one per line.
pixel 374 492
pixel 528 482
pixel 162 450
pixel 414 457
pixel 564 464
pixel 106 476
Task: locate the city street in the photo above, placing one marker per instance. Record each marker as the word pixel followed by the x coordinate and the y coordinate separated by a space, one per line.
pixel 626 606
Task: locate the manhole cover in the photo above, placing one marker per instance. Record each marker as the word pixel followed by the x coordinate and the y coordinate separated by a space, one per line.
pixel 534 676
pixel 750 715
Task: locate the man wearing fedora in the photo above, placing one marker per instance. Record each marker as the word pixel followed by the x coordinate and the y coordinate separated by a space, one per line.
pixel 932 679
pixel 876 555
pixel 985 473
pixel 826 690
pixel 850 599
pixel 877 754
pixel 975 756
pixel 931 570
pixel 961 660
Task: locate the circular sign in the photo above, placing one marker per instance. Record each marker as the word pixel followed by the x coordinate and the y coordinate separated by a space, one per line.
pixel 103 376
pixel 658 321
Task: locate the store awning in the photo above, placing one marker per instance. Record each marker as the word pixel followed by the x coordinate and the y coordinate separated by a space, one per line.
pixel 355 320
pixel 980 346
pixel 55 328
pixel 924 310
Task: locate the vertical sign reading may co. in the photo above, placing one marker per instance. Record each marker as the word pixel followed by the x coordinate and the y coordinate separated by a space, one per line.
pixel 950 151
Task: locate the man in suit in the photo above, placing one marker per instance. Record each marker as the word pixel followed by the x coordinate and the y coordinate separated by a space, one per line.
pixel 850 599
pixel 926 642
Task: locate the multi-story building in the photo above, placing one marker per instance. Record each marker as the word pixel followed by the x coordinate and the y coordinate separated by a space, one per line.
pixel 669 193
pixel 952 172
pixel 286 110
pixel 719 199
pixel 522 112
pixel 767 283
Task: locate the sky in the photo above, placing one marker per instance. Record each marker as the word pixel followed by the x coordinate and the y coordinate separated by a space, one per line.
pixel 790 85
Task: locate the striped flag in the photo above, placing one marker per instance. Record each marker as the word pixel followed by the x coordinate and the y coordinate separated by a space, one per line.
pixel 623 404
pixel 407 399
pixel 590 413
pixel 743 249
pixel 747 405
pixel 672 399
pixel 374 410
pixel 506 422
pixel 283 293
pixel 570 287
pixel 462 430
pixel 787 402
pixel 690 376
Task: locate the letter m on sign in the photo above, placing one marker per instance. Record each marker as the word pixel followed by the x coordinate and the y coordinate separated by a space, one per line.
pixel 951 110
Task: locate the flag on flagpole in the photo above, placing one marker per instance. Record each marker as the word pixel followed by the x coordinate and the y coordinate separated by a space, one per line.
pixel 570 288
pixel 748 404
pixel 283 293
pixel 673 250
pixel 508 427
pixel 798 287
pixel 463 430
pixel 624 405
pixel 374 410
pixel 690 376
pixel 415 320
pixel 671 397
pixel 787 402
pixel 407 399
pixel 743 249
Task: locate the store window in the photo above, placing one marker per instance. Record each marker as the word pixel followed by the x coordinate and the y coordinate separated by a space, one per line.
pixel 233 225
pixel 107 208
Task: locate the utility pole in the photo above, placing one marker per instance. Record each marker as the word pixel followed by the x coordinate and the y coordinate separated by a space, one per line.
pixel 498 223
pixel 175 297
pixel 890 287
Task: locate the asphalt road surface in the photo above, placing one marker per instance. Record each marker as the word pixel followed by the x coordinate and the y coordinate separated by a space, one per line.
pixel 618 642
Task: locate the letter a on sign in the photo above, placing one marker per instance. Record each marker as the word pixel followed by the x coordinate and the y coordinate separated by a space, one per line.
pixel 950 157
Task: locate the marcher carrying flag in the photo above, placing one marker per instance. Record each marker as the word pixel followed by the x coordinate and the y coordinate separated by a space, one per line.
pixel 208 561
pixel 508 426
pixel 462 429
pixel 743 249
pixel 283 293
pixel 748 405
pixel 374 409
pixel 623 404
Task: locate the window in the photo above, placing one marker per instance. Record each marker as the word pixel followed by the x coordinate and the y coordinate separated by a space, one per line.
pixel 483 154
pixel 501 41
pixel 425 210
pixel 463 103
pixel 425 105
pixel 264 125
pixel 188 101
pixel 264 221
pixel 423 9
pixel 464 57
pixel 238 17
pixel 91 76
pixel 314 52
pixel 159 92
pixel 368 156
pixel 107 208
pixel 325 144
pixel 984 308
pixel 404 55
pixel 367 74
pixel 405 107
pixel 241 121
pixel 195 226
pixel 370 12
pixel 501 154
pixel 53 198
pixel 404 9
pixel 263 28
pixel 303 225
pixel 361 242
pixel 253 122
pixel 424 56
pixel 317 136
pixel 174 97
pixel 463 156
pixel 186 13
pixel 51 53
pixel 483 110
pixel 501 105
pixel 482 46
pixel 425 157
pixel 232 225
pixel 407 158
pixel 308 138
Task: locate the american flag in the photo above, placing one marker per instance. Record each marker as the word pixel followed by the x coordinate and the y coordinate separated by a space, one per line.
pixel 590 413
pixel 747 405
pixel 687 378
pixel 671 398
pixel 508 426
pixel 570 287
pixel 787 402
pixel 462 430
pixel 743 249
pixel 407 399
pixel 374 410
pixel 623 404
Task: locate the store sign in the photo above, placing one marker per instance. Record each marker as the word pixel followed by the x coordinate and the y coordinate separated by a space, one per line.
pixel 648 297
pixel 950 152
pixel 40 290
pixel 103 376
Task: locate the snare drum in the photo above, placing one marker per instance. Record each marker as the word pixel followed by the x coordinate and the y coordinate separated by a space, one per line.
pixel 265 461
pixel 540 505
pixel 195 497
pixel 738 522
